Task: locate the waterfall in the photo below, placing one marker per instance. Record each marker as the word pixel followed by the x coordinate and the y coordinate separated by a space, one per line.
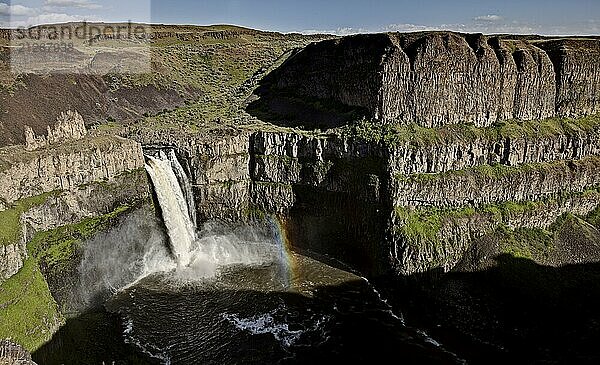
pixel 184 183
pixel 199 254
pixel 174 205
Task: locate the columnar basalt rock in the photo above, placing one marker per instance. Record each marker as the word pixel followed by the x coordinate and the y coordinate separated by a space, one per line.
pixel 441 78
pixel 65 167
pixel 436 79
pixel 459 154
pixel 577 66
pixel 495 184
pixel 535 90
pixel 358 57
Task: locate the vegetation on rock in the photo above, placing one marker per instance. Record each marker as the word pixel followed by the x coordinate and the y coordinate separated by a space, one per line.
pixel 10 229
pixel 421 227
pixel 396 134
pixel 30 313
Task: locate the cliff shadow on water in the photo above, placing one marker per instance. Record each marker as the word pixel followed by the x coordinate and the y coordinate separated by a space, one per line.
pixel 197 324
pixel 515 311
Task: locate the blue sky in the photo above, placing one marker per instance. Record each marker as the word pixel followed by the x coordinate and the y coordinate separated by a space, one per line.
pixel 554 17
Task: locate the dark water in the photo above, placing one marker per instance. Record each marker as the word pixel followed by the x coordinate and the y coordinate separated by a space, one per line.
pixel 247 300
pixel 253 315
pixel 249 315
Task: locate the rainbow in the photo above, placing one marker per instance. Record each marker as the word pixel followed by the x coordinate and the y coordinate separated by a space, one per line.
pixel 287 257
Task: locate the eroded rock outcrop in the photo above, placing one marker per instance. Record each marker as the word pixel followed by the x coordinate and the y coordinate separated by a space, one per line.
pixel 69 165
pixel 12 256
pixel 70 207
pixel 69 127
pixel 14 354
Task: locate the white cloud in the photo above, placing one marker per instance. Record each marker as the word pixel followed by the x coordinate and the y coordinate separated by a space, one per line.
pixel 487 24
pixel 16 10
pixel 79 4
pixel 349 31
pixel 47 18
pixel 408 28
pixel 488 18
pixel 18 16
pixel 341 31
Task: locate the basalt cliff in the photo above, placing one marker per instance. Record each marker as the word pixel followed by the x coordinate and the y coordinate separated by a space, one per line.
pixel 454 136
pixel 436 79
pixel 438 139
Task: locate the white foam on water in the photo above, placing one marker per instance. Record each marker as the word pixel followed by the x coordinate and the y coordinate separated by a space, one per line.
pixel 268 323
pixel 147 349
pixel 265 323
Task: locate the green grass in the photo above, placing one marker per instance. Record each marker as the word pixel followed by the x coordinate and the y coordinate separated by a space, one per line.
pixel 396 134
pixel 58 246
pixel 526 243
pixel 214 76
pixel 10 227
pixel 421 227
pixel 29 312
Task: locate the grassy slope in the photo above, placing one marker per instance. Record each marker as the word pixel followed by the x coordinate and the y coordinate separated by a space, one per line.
pixel 28 311
pixel 10 227
pixel 393 134
pixel 421 227
pixel 213 70
pixel 220 73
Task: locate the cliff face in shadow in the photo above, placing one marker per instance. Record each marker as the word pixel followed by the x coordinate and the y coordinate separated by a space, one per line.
pixel 537 304
pixel 518 312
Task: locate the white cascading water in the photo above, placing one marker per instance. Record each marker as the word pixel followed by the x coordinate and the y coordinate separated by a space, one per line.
pixel 137 246
pixel 200 254
pixel 185 185
pixel 174 205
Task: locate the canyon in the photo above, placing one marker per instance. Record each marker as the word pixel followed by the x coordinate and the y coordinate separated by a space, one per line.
pixel 323 182
pixel 399 155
